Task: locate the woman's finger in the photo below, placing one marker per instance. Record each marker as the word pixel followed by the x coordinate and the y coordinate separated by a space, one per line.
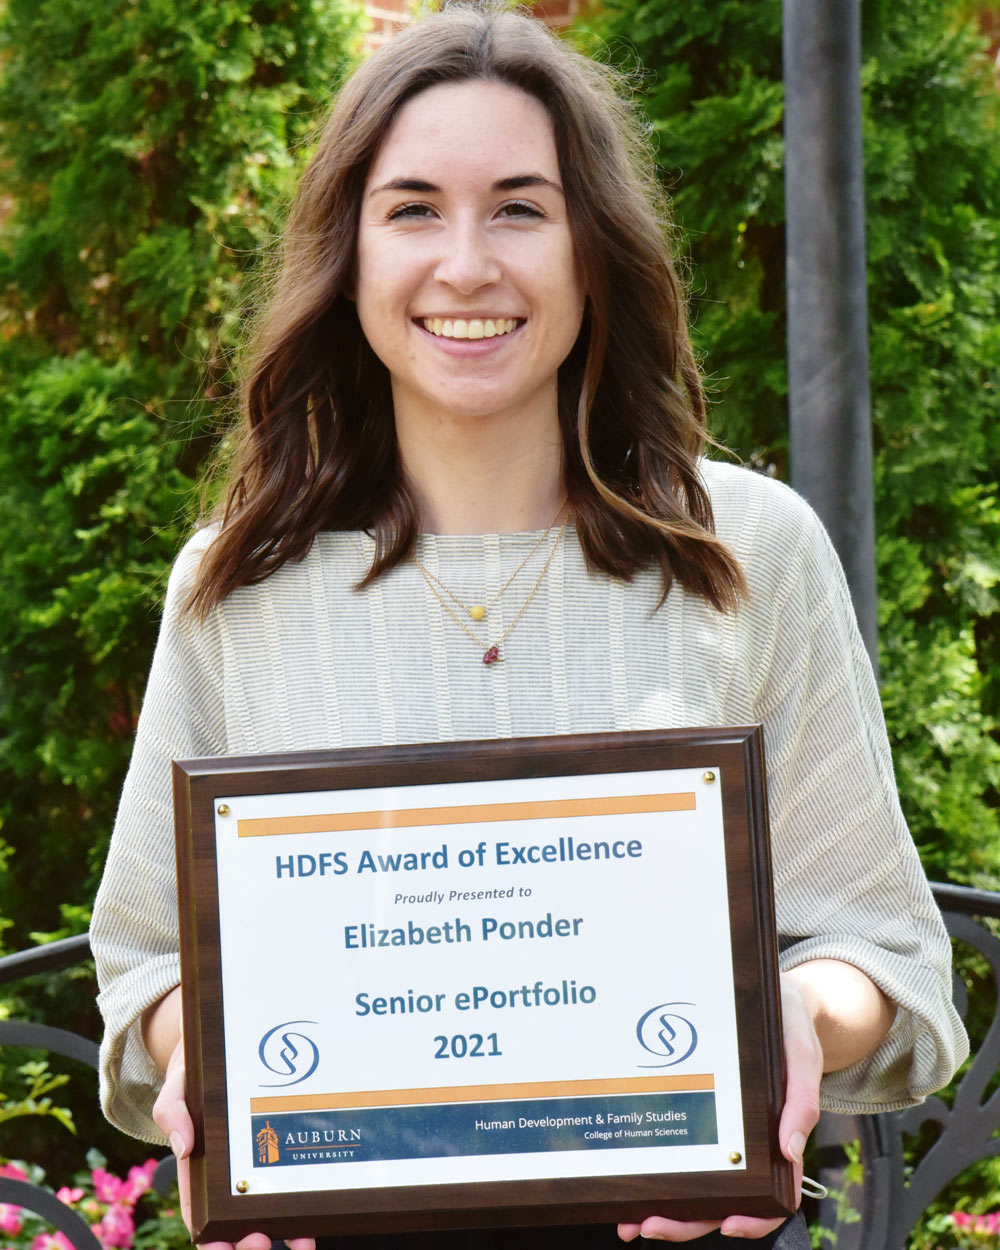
pixel 184 1189
pixel 804 1071
pixel 749 1226
pixel 170 1111
pixel 657 1228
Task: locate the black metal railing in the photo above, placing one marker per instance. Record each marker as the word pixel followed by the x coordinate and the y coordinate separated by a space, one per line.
pixel 56 957
pixel 895 1191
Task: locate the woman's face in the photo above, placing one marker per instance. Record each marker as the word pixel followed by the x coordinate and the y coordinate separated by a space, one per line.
pixel 467 287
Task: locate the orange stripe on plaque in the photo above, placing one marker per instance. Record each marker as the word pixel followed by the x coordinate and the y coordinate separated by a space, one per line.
pixel 482 1093
pixel 471 814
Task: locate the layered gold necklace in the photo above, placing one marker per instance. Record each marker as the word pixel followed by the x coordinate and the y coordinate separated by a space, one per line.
pixel 477 611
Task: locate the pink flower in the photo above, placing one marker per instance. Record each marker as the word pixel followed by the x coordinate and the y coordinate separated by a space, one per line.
pixel 69 1196
pixel 961 1219
pixel 13 1171
pixel 117 1228
pixel 988 1223
pixel 140 1180
pixel 107 1187
pixel 10 1219
pixel 52 1241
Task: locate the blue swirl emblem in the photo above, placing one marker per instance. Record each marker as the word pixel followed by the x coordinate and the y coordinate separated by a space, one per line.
pixel 280 1054
pixel 666 1034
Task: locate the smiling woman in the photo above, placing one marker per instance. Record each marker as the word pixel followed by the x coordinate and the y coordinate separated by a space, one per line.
pixel 564 158
pixel 487 244
pixel 471 501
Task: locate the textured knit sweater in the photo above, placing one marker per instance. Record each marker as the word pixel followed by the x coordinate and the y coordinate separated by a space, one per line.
pixel 304 661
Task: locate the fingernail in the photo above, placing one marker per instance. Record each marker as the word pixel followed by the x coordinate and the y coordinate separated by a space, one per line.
pixel 177 1144
pixel 796 1145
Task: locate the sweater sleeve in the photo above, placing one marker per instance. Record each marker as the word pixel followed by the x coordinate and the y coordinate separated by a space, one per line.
pixel 848 880
pixel 134 933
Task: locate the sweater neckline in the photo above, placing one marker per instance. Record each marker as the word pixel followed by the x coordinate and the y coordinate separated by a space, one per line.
pixel 458 544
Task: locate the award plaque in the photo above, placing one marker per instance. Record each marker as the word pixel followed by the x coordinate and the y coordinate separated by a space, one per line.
pixel 472 984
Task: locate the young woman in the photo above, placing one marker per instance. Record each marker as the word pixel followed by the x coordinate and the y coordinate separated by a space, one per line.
pixel 471 502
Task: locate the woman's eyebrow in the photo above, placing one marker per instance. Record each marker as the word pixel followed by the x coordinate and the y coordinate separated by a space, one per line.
pixel 405 184
pixel 516 182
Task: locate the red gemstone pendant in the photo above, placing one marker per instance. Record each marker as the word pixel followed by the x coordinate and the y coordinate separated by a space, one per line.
pixel 492 654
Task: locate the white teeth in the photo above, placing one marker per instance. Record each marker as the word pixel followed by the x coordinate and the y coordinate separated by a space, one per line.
pixel 476 328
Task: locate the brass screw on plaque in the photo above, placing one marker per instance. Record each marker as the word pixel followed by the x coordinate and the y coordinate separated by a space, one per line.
pixel 223 809
pixel 242 1187
pixel 735 1157
pixel 708 777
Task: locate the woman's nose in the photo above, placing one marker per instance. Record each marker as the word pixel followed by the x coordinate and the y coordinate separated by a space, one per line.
pixel 467 262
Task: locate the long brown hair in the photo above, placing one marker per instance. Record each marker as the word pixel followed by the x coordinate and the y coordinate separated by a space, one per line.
pixel 318 449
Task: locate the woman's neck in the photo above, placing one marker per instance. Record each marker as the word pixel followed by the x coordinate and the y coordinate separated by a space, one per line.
pixel 486 481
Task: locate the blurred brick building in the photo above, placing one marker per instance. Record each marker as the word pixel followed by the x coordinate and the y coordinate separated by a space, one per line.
pixel 388 15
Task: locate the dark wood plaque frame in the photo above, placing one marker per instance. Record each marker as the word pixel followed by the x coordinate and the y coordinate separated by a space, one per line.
pixel 763 1188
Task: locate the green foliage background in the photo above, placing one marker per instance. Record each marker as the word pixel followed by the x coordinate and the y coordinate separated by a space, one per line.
pixel 713 93
pixel 149 147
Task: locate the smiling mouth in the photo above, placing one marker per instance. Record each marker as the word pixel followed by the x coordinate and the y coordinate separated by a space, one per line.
pixel 476 328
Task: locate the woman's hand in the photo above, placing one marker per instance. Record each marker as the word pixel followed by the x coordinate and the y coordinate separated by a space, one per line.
pixel 833 1016
pixel 804 1068
pixel 171 1114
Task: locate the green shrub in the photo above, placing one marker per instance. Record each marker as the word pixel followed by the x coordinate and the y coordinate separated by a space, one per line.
pixel 712 87
pixel 149 148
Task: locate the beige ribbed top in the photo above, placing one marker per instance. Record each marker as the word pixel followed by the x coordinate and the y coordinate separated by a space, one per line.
pixel 304 662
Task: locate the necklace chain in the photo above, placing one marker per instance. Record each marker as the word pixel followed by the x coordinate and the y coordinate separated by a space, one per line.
pixel 491 651
pixel 478 610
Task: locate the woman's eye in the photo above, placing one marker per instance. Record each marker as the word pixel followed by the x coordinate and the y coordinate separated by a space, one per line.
pixel 409 210
pixel 518 208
